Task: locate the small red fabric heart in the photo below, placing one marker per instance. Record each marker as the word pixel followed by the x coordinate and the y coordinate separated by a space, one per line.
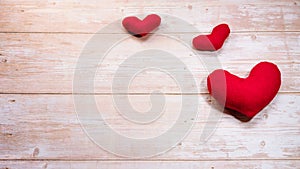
pixel 140 28
pixel 213 41
pixel 247 96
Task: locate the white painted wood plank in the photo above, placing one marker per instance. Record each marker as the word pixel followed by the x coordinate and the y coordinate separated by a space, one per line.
pixel 45 63
pixel 250 164
pixel 43 127
pixel 89 16
pixel 46 127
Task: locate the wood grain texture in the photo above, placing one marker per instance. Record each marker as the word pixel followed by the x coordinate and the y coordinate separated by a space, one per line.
pixel 48 66
pixel 40 42
pixel 46 127
pixel 74 16
pixel 261 164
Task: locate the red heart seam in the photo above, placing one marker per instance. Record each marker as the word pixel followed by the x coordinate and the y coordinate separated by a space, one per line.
pixel 214 41
pixel 141 28
pixel 247 96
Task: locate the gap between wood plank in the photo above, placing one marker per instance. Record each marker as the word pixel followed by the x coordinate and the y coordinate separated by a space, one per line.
pixel 3 93
pixel 156 160
pixel 233 32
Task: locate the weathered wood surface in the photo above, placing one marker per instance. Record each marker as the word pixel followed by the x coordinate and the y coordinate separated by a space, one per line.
pixel 48 66
pixel 46 127
pixel 89 16
pixel 256 164
pixel 40 42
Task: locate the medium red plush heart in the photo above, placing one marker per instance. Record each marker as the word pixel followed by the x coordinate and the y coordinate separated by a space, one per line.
pixel 247 96
pixel 214 41
pixel 141 28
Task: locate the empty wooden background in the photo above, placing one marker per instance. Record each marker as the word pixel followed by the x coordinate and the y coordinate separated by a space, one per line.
pixel 40 42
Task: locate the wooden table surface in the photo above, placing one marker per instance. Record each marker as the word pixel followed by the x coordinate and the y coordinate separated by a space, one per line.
pixel 40 42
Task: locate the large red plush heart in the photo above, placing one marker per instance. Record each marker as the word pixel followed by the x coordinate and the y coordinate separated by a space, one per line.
pixel 213 41
pixel 140 28
pixel 247 96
